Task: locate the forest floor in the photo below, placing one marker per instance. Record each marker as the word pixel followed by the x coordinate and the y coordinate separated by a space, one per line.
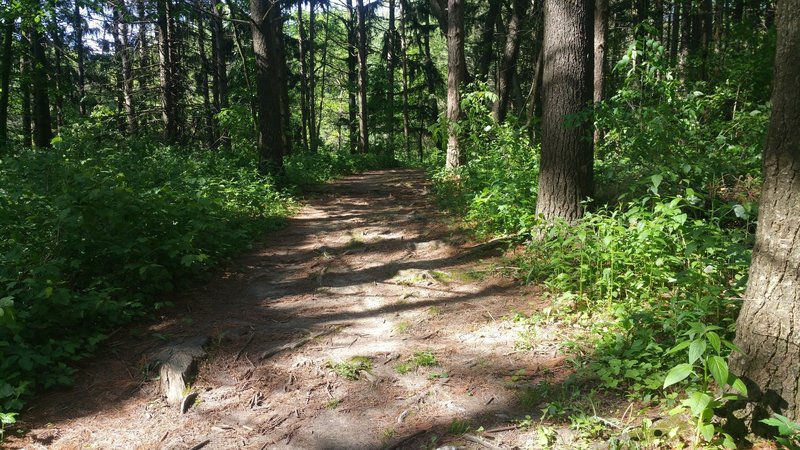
pixel 368 275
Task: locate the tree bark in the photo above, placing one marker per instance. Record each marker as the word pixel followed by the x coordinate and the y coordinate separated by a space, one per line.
pixel 271 138
pixel 166 34
pixel 456 63
pixel 5 78
pixel 390 65
pixel 600 31
pixel 363 132
pixel 312 79
pixel 219 52
pixel 766 329
pixel 202 81
pixel 352 77
pixel 565 175
pixel 58 76
pixel 301 28
pixel 42 123
pixel 77 25
pixel 126 61
pixel 486 43
pixel 25 90
pixel 404 63
pixel 508 62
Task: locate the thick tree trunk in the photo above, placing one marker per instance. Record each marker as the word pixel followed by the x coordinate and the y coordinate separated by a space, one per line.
pixel 42 124
pixel 565 176
pixel 456 63
pixel 767 327
pixel 5 78
pixel 271 137
pixel 363 132
pixel 600 31
pixel 508 63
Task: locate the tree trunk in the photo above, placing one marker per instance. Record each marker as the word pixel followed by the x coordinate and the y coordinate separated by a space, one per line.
pixel 766 329
pixel 25 88
pixel 404 63
pixel 390 65
pixel 120 32
pixel 455 78
pixel 58 77
pixel 565 176
pixel 312 79
pixel 486 43
pixel 219 51
pixel 508 63
pixel 600 31
pixel 352 77
pixel 271 137
pixel 42 124
pixel 202 75
pixel 675 27
pixel 5 78
pixel 77 25
pixel 166 69
pixel 301 28
pixel 363 132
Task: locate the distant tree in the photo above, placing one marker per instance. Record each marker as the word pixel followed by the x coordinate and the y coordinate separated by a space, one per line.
pixel 565 173
pixel 363 130
pixel 767 327
pixel 6 59
pixel 42 123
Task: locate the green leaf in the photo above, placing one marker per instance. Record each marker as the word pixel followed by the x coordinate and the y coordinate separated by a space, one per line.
pixel 715 341
pixel 707 431
pixel 677 374
pixel 719 369
pixel 697 402
pixel 739 385
pixel 678 347
pixel 696 350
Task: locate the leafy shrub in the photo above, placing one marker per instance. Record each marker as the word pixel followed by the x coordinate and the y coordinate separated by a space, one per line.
pixel 91 230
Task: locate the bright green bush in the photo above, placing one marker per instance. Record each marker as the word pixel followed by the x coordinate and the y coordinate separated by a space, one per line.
pixel 91 230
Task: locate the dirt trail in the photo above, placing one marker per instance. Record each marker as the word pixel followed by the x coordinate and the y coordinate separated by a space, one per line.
pixel 368 269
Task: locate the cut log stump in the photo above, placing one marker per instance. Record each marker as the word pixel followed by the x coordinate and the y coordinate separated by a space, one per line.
pixel 177 362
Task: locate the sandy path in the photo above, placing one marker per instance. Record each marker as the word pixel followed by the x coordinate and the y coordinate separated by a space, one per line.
pixel 367 266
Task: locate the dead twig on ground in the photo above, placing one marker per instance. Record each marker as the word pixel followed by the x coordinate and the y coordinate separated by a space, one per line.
pixel 482 442
pixel 295 344
pixel 239 353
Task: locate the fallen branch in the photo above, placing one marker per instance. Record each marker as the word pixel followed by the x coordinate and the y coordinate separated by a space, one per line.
pixel 249 340
pixel 480 441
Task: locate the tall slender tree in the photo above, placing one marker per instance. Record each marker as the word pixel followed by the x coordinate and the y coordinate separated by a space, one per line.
pixel 363 114
pixel 456 76
pixel 6 59
pixel 508 61
pixel 42 123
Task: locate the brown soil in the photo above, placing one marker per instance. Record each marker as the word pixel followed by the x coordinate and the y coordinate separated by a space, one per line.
pixel 368 268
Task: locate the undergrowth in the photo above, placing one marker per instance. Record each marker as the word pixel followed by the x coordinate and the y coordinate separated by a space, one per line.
pixel 654 272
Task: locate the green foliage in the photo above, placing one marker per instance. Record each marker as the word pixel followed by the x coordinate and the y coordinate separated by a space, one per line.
pixel 706 363
pixel 352 368
pixel 5 420
pixel 458 427
pixel 788 432
pixel 94 228
pixel 425 359
pixel 496 190
pixel 305 169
